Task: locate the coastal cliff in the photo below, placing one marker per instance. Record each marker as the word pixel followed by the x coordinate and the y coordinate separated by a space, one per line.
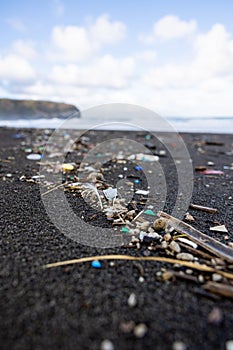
pixel 38 109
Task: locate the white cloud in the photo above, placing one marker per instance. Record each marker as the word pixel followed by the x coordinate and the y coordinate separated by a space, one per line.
pixel 170 27
pixel 74 43
pixel 24 49
pixel 147 56
pixel 17 24
pixel 16 69
pixel 105 32
pixel 106 71
pixel 213 61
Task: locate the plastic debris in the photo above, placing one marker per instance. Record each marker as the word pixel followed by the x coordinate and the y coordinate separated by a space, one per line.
pixel 110 193
pixel 187 241
pixel 34 156
pixel 138 168
pixel 220 228
pixel 200 238
pixel 137 181
pixel 125 229
pixel 211 172
pixel 67 167
pixel 149 212
pixel 142 192
pixel 96 264
pixel 144 157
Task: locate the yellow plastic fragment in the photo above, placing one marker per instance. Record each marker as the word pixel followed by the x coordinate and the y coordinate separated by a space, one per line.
pixel 67 167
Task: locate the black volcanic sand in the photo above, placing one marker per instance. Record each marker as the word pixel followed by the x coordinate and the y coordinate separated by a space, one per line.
pixel 78 306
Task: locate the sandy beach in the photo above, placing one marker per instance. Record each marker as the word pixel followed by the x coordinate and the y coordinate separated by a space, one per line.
pixel 78 306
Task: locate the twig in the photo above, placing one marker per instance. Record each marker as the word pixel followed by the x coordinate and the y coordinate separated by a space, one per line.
pixel 189 264
pixel 200 238
pixel 137 216
pixel 52 189
pixel 200 207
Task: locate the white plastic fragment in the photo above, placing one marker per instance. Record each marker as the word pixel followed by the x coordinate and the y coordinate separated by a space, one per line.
pixel 144 157
pixel 34 156
pixel 110 193
pixel 187 241
pixel 144 193
pixel 220 228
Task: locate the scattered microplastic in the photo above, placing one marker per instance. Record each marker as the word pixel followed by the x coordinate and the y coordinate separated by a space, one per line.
pixel 96 264
pixel 149 212
pixel 34 156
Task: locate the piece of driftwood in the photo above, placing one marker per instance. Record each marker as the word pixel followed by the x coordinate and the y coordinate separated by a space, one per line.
pixel 224 290
pixel 207 242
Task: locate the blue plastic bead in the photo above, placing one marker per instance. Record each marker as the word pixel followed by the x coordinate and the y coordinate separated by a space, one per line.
pixel 138 167
pixel 96 264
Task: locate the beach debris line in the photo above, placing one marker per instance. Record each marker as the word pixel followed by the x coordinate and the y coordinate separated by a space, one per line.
pixel 207 242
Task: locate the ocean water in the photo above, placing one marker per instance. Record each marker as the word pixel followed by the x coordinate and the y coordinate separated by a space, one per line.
pixel 128 122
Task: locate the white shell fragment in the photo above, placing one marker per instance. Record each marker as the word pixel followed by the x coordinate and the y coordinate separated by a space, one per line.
pixel 220 228
pixel 110 193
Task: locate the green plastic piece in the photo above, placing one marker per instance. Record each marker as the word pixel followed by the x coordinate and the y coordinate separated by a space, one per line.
pixel 125 229
pixel 149 212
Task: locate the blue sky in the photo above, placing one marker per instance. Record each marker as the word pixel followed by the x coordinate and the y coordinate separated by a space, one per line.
pixel 175 57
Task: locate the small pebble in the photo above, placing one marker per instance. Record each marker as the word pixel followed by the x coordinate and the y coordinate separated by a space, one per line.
pixel 127 327
pixel 164 245
pixel 132 300
pixel 215 316
pixel 106 345
pixel 216 277
pixel 189 217
pixel 201 279
pixel 144 226
pixel 174 246
pixel 167 237
pixel 96 264
pixel 179 345
pixel 229 345
pixel 140 330
pixel 185 256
